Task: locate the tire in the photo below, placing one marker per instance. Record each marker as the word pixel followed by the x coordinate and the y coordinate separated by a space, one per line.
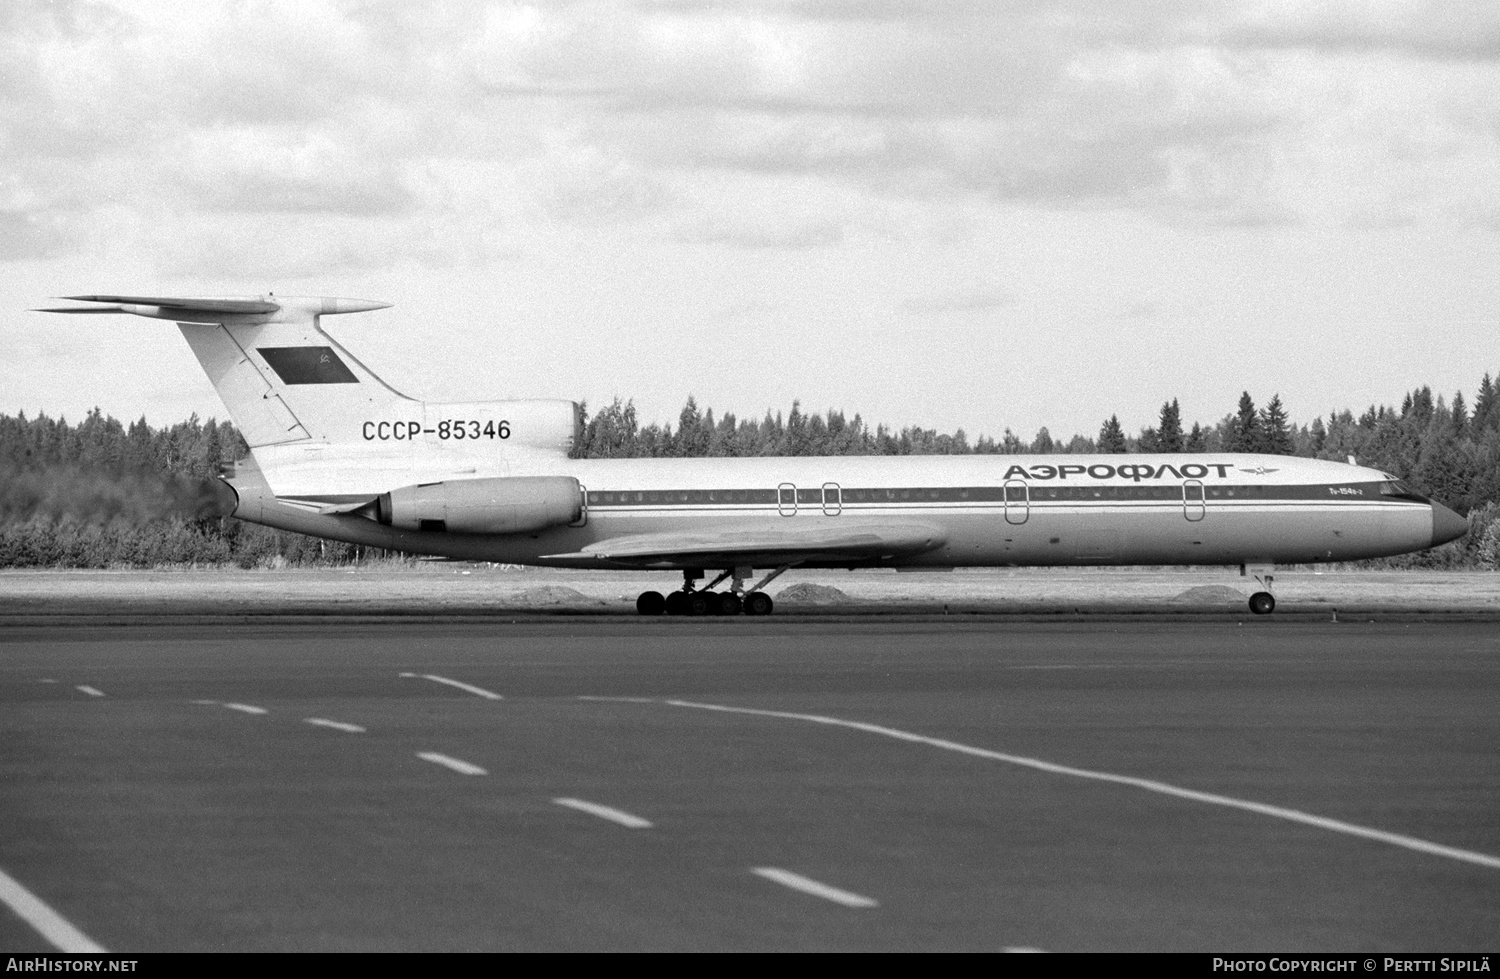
pixel 676 603
pixel 1262 603
pixel 758 603
pixel 701 603
pixel 650 603
pixel 730 604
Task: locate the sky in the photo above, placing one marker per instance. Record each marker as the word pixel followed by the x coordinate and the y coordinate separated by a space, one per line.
pixel 968 214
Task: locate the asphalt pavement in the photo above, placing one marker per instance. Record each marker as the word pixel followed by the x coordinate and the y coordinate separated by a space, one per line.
pixel 1229 784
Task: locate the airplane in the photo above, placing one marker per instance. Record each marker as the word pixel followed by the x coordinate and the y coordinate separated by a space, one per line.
pixel 337 453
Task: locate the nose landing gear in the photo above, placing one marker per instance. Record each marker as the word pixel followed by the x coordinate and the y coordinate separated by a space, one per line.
pixel 1262 602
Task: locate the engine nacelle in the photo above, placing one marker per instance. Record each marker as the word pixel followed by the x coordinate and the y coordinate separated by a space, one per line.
pixel 502 505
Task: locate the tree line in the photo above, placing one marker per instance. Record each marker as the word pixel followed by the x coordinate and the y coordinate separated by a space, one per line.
pixel 103 494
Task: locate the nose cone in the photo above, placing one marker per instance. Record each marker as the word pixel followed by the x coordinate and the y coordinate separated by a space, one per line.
pixel 1446 525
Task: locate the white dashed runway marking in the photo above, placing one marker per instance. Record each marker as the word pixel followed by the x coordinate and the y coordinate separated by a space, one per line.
pixel 336 725
pixel 456 764
pixel 91 691
pixel 620 816
pixel 816 888
pixel 242 708
pixel 48 923
pixel 466 687
pixel 1149 785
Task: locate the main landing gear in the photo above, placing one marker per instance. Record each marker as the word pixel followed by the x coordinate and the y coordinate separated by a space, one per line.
pixel 691 600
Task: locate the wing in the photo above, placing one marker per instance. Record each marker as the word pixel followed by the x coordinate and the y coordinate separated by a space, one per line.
pixel 765 547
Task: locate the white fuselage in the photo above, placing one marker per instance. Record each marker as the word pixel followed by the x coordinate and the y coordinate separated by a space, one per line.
pixel 1218 508
pixel 338 453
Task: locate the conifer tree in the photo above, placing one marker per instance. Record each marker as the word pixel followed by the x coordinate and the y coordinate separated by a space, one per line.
pixel 1484 405
pixel 1169 432
pixel 1276 438
pixel 690 440
pixel 1244 431
pixel 1317 436
pixel 1112 436
pixel 1459 416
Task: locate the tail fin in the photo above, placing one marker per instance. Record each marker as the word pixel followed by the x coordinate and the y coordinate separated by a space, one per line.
pixel 281 377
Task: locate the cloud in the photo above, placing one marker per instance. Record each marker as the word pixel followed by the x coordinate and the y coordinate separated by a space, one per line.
pixel 255 170
pixel 738 233
pixel 26 235
pixel 969 300
pixel 595 114
pixel 1434 29
pixel 590 188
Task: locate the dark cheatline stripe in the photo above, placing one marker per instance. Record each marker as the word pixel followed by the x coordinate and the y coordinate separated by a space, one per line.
pixel 1032 493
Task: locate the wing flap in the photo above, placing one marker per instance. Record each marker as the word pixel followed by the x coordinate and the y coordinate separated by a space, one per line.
pixel 768 545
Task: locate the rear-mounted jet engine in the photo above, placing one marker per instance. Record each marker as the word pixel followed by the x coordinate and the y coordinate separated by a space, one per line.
pixel 503 505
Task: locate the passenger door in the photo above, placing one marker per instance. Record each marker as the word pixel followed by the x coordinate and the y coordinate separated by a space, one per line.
pixel 786 499
pixel 1194 507
pixel 833 499
pixel 1017 501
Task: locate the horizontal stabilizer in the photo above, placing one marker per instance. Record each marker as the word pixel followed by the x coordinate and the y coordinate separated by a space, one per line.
pixel 205 309
pixel 847 541
pixel 200 305
pixel 79 309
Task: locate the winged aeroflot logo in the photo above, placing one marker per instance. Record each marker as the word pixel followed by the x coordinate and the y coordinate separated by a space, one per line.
pixel 1260 471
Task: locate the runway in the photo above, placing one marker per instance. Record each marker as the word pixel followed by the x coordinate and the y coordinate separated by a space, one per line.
pixel 1220 784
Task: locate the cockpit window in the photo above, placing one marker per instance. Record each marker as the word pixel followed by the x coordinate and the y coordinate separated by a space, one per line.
pixel 1401 491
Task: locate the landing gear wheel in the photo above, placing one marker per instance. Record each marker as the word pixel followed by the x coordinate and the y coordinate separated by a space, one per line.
pixel 1262 603
pixel 676 603
pixel 729 604
pixel 701 603
pixel 758 603
pixel 650 603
